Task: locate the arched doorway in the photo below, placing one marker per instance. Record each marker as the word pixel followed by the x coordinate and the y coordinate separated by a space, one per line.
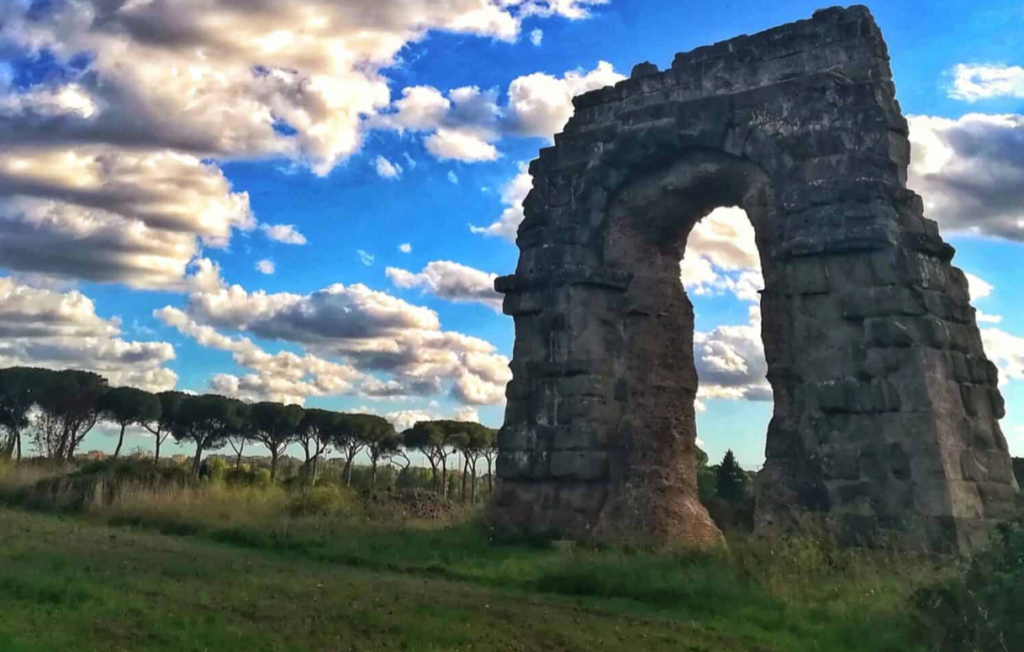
pixel 886 410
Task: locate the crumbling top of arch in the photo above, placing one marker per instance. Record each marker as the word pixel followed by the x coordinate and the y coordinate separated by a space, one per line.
pixel 811 103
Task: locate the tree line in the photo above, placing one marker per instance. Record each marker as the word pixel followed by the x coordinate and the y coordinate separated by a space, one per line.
pixel 57 409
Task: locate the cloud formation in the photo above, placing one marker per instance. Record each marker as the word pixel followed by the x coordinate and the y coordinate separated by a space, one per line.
pixel 512 195
pixel 452 281
pixel 730 361
pixel 386 169
pixel 266 266
pixel 721 256
pixel 970 171
pixel 136 218
pixel 975 82
pixel 118 151
pixel 284 233
pixel 1006 351
pixel 370 332
pixel 465 124
pixel 59 330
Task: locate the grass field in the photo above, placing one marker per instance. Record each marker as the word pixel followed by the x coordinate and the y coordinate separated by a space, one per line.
pixel 216 566
pixel 70 583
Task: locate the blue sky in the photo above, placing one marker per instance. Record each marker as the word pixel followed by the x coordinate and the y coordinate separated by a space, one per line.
pixel 367 126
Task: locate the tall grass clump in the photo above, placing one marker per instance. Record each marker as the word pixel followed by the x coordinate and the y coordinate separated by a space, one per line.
pixel 979 604
pixel 18 480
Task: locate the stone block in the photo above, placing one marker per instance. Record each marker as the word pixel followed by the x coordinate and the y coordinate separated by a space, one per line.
pixel 933 332
pixel 990 465
pixel 582 435
pixel 579 465
pixel 584 497
pixel 1001 501
pixel 965 499
pixel 840 462
pixel 888 331
pixel 997 403
pixel 806 276
pixel 883 302
pixel 523 465
pixel 976 400
pixel 882 361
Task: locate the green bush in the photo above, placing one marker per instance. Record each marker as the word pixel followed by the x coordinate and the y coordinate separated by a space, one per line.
pixel 981 607
pixel 218 469
pixel 322 501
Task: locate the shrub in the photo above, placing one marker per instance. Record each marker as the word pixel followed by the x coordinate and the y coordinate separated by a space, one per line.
pixel 981 607
pixel 322 501
pixel 218 469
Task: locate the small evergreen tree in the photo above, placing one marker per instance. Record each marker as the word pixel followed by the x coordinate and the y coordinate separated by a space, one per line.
pixel 730 478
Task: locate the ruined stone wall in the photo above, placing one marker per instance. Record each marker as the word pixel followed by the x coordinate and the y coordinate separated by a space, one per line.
pixel 886 409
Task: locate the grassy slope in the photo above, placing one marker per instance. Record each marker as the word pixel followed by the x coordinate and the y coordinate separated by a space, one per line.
pixel 72 584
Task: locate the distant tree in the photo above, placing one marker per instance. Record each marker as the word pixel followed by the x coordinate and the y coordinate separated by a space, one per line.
pixel 68 404
pixel 730 478
pixel 18 388
pixel 314 435
pixel 349 437
pixel 470 440
pixel 484 446
pixel 490 453
pixel 381 442
pixel 127 406
pixel 241 435
pixel 429 439
pixel 170 403
pixel 274 426
pixel 437 441
pixel 207 421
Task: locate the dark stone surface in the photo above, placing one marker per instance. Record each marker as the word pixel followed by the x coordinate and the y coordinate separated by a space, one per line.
pixel 886 409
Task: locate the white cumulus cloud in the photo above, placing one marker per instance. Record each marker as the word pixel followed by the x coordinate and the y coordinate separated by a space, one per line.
pixel 285 233
pixel 60 330
pixel 512 195
pixel 386 169
pixel 452 281
pixel 973 82
pixel 266 266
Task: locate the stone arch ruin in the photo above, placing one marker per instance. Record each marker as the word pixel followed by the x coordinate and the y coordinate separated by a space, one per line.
pixel 886 409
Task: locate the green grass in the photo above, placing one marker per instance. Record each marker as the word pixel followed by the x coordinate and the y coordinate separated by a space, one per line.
pixel 68 585
pixel 215 567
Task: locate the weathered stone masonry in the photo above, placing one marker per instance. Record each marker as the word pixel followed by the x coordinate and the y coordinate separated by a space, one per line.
pixel 886 408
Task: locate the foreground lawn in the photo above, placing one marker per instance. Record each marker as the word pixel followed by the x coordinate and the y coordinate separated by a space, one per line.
pixel 70 585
